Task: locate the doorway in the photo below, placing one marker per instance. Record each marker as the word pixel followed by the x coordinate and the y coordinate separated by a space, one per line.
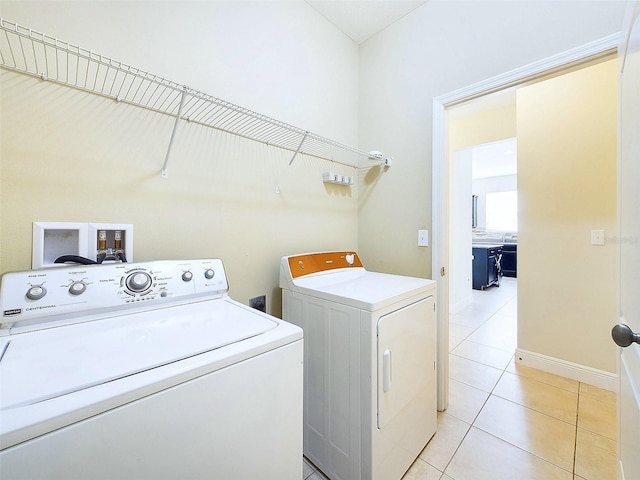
pixel 572 60
pixel 482 285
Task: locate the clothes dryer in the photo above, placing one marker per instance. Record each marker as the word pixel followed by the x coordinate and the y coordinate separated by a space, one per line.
pixel 369 363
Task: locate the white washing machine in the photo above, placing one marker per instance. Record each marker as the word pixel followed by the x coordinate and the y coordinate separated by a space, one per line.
pixel 145 371
pixel 369 364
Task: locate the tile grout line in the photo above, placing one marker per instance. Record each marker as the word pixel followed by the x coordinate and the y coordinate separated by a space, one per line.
pixel 575 442
pixel 528 452
pixel 524 406
pixel 471 425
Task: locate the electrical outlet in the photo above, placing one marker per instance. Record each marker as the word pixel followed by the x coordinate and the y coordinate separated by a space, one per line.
pixel 259 303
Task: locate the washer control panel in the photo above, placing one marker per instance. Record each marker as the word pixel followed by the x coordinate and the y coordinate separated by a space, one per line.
pixel 79 290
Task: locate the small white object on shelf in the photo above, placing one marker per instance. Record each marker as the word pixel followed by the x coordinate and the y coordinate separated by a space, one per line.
pixel 330 177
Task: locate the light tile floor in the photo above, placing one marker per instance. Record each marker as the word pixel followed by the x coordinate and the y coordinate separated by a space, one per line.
pixel 507 421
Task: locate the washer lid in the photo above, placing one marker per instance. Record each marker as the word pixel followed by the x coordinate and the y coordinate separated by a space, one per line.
pixel 41 365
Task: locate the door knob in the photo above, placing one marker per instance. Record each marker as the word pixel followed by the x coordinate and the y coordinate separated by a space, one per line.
pixel 624 336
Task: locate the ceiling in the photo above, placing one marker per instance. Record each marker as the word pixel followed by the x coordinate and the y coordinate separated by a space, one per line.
pixel 494 159
pixel 361 19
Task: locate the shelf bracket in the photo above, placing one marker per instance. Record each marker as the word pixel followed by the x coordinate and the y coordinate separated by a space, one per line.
pixel 299 147
pixel 165 173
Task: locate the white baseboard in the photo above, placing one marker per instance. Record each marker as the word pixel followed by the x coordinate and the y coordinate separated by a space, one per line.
pixel 574 371
pixel 461 305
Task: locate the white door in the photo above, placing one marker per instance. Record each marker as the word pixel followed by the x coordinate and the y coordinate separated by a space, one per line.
pixel 629 172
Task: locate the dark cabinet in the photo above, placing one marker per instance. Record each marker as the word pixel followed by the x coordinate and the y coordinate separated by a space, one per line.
pixel 510 260
pixel 487 269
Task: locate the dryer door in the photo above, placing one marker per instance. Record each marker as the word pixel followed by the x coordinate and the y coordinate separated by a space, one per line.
pixel 406 362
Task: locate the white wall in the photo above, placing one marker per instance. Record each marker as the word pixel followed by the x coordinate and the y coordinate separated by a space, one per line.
pixel 567 186
pixel 460 248
pixel 70 156
pixel 438 48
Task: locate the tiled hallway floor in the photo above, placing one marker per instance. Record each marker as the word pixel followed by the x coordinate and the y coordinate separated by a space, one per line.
pixel 511 422
pixel 507 421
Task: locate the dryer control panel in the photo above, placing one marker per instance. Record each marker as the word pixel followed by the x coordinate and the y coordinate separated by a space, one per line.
pixel 78 291
pixel 309 263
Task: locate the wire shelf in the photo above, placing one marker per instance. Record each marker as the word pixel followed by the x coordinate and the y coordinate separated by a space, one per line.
pixel 33 53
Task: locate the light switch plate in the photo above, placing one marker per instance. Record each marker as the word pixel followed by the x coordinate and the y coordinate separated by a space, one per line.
pixel 423 238
pixel 597 237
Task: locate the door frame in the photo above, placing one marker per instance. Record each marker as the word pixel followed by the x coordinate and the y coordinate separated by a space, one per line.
pixel 441 172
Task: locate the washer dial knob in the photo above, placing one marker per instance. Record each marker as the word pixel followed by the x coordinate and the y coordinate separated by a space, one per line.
pixel 138 281
pixel 187 276
pixel 77 288
pixel 36 292
pixel 209 273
